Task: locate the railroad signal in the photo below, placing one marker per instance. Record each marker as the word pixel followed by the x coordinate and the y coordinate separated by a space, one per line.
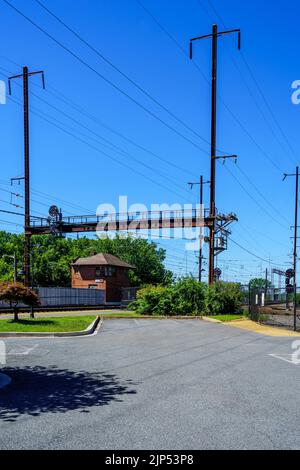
pixel 217 274
pixel 290 273
pixel 289 288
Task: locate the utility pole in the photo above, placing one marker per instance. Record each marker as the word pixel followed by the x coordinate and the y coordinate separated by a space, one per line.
pixel 15 268
pixel 295 242
pixel 25 76
pixel 14 258
pixel 201 184
pixel 214 36
pixel 266 283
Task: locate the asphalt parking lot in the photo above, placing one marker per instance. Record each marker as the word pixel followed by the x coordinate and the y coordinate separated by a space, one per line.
pixel 146 384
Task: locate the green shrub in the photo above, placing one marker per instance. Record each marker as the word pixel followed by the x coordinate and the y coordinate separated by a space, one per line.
pixel 151 300
pixel 223 299
pixel 185 297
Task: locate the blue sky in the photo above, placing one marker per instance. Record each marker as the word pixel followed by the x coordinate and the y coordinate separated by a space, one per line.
pixel 258 121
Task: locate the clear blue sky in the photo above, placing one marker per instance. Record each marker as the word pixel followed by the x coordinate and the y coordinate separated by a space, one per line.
pixel 129 37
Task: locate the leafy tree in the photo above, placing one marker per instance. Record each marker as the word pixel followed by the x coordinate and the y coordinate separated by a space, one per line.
pixel 52 258
pixel 259 283
pixel 16 294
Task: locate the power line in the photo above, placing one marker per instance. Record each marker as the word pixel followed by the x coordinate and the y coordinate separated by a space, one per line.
pixel 77 108
pixel 260 91
pixel 11 193
pixel 109 156
pixel 261 194
pixel 253 198
pixel 116 87
pixel 178 45
pixel 238 121
pixel 99 54
pixel 99 151
pixel 116 147
pixel 11 213
pixel 6 222
pixel 250 253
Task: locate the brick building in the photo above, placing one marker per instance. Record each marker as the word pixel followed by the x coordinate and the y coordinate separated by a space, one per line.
pixel 102 271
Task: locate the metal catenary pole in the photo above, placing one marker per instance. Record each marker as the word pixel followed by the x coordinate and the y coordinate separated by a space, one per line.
pixel 200 240
pixel 295 249
pixel 295 242
pixel 25 76
pixel 201 184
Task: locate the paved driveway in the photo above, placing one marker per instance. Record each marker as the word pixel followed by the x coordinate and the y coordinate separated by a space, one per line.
pixel 143 384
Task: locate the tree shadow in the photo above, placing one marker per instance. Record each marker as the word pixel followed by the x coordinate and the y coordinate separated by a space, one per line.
pixel 37 390
pixel 33 322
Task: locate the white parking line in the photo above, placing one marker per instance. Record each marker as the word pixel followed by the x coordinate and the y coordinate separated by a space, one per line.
pixel 286 358
pixel 23 351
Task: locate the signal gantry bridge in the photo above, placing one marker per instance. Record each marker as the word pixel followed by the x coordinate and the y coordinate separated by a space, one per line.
pixel 194 218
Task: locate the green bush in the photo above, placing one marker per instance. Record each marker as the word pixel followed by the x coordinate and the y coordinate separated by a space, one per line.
pixel 185 297
pixel 151 300
pixel 224 298
pixel 188 297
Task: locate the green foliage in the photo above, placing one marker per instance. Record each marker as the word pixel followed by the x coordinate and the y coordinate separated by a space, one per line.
pixel 52 258
pixel 152 300
pixel 291 299
pixel 224 298
pixel 188 297
pixel 184 297
pixel 259 283
pixel 227 318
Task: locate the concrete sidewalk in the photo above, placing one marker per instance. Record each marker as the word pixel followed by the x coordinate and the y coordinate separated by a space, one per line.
pixel 263 329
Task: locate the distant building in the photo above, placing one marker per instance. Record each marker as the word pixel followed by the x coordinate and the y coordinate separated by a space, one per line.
pixel 102 271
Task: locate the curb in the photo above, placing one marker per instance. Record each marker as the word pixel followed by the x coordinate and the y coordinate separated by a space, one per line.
pixel 5 380
pixel 211 320
pixel 72 334
pixel 151 317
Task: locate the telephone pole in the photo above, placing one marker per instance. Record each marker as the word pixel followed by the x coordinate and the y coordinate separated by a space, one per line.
pixel 214 36
pixel 201 184
pixel 295 241
pixel 14 259
pixel 25 76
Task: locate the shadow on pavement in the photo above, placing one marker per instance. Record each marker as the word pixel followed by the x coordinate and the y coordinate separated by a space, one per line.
pixel 37 390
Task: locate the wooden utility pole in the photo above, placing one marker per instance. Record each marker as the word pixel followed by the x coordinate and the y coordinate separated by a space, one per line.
pixel 214 36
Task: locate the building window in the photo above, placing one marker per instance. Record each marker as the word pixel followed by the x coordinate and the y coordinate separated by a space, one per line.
pixel 98 274
pixel 110 271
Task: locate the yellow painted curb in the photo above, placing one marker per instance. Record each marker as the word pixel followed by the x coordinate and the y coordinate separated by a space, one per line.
pixel 262 329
